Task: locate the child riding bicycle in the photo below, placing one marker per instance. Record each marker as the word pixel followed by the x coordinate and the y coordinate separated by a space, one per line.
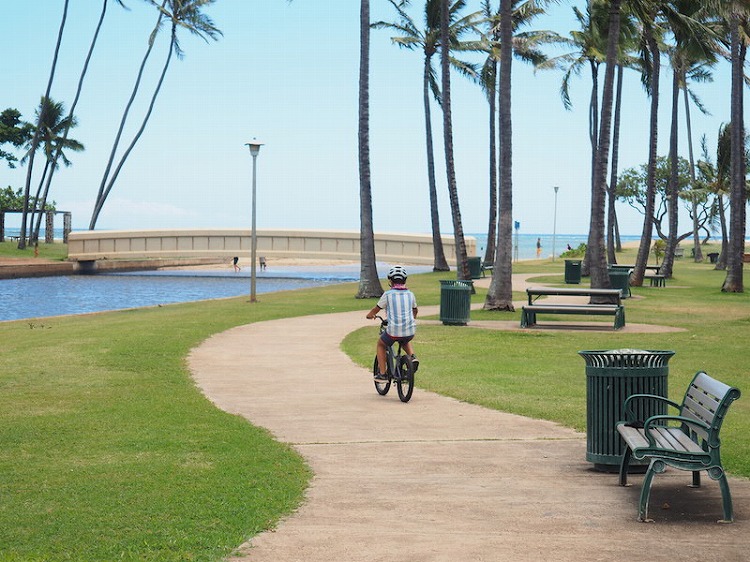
pixel 400 306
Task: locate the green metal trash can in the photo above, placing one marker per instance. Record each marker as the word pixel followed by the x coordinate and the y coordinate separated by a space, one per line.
pixel 475 267
pixel 620 279
pixel 612 376
pixel 455 302
pixel 573 272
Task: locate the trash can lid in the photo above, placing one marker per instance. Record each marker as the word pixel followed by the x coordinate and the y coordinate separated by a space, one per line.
pixel 627 357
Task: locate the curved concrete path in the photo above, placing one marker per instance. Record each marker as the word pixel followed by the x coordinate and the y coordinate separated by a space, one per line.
pixel 437 479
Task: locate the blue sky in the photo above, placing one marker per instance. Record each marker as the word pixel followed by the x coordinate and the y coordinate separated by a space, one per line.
pixel 286 74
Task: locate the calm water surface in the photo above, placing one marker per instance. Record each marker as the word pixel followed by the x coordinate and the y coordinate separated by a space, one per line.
pixel 77 294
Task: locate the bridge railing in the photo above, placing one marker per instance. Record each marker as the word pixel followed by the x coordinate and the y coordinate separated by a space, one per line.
pixel 225 243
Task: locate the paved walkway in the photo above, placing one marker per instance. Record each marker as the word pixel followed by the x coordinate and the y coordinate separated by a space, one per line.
pixel 437 479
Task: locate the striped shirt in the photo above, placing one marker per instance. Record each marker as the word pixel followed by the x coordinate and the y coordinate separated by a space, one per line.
pixel 398 305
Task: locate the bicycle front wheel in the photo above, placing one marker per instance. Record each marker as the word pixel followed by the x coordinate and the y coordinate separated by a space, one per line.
pixel 405 383
pixel 381 386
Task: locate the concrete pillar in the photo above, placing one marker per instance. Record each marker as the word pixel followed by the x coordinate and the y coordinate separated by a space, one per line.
pixel 49 227
pixel 67 220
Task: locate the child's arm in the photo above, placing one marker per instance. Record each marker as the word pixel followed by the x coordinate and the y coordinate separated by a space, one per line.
pixel 415 311
pixel 373 312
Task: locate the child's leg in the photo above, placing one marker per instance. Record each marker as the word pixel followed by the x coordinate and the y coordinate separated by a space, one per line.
pixel 408 349
pixel 380 350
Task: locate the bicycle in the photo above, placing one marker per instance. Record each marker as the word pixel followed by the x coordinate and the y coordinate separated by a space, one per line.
pixel 399 369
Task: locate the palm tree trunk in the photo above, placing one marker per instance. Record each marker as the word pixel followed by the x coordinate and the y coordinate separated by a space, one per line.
pixel 489 253
pixel 35 139
pixel 593 140
pixel 500 293
pixel 672 203
pixel 439 261
pixel 458 232
pixel 697 249
pixel 721 262
pixel 733 283
pixel 369 284
pixel 612 189
pixel 102 186
pixel 71 113
pixel 596 251
pixel 38 204
pixel 636 279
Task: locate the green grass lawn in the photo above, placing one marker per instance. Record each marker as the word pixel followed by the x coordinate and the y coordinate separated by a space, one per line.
pixel 57 251
pixel 108 450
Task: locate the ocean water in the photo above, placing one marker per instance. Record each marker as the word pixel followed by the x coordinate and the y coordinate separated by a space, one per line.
pixel 524 245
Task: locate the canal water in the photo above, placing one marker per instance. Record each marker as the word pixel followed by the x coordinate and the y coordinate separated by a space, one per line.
pixel 38 297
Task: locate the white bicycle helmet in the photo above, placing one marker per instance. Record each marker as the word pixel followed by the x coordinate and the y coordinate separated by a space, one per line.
pixel 397 273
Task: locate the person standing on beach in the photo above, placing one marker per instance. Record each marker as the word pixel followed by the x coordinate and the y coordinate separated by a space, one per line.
pixel 538 248
pixel 235 259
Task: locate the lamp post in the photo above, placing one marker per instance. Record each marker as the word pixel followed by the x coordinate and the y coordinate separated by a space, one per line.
pixel 254 146
pixel 554 224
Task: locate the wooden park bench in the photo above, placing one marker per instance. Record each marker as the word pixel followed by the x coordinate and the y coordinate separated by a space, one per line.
pixel 687 441
pixel 487 267
pixel 529 311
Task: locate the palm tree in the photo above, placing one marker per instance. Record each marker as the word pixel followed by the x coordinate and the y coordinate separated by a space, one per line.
pixel 690 39
pixel 53 139
pixel 646 12
pixel 591 43
pixel 526 47
pixel 185 14
pixel 70 120
pixel 714 179
pixel 738 20
pixel 694 66
pixel 428 40
pixel 613 231
pixel 450 169
pixel 500 293
pixel 596 252
pixel 369 284
pixel 35 139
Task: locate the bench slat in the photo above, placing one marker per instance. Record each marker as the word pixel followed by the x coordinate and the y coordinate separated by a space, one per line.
pixel 574 309
pixel 711 386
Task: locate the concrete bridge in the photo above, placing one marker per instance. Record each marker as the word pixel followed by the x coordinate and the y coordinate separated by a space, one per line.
pixel 95 245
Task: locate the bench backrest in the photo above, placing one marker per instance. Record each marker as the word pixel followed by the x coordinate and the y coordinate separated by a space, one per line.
pixel 707 400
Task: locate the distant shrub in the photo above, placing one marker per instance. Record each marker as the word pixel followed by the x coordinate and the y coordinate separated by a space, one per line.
pixel 658 249
pixel 578 252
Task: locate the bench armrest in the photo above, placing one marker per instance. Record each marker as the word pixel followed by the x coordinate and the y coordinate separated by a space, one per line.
pixel 654 420
pixel 627 407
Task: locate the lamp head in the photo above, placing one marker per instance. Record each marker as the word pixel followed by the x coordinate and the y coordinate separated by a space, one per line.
pixel 254 146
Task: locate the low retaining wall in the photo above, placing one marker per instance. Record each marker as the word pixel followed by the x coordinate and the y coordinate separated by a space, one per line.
pixel 225 243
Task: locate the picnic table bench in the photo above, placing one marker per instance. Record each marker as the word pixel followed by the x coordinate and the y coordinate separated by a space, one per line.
pixel 687 441
pixel 614 308
pixel 622 266
pixel 656 280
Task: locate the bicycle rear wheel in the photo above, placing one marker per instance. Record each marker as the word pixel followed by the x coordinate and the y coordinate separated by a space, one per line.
pixel 405 382
pixel 381 386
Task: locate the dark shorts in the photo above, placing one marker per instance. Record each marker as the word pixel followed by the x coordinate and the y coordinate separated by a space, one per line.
pixel 389 340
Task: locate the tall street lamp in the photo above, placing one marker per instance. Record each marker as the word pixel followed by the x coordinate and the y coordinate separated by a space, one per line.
pixel 554 224
pixel 254 146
